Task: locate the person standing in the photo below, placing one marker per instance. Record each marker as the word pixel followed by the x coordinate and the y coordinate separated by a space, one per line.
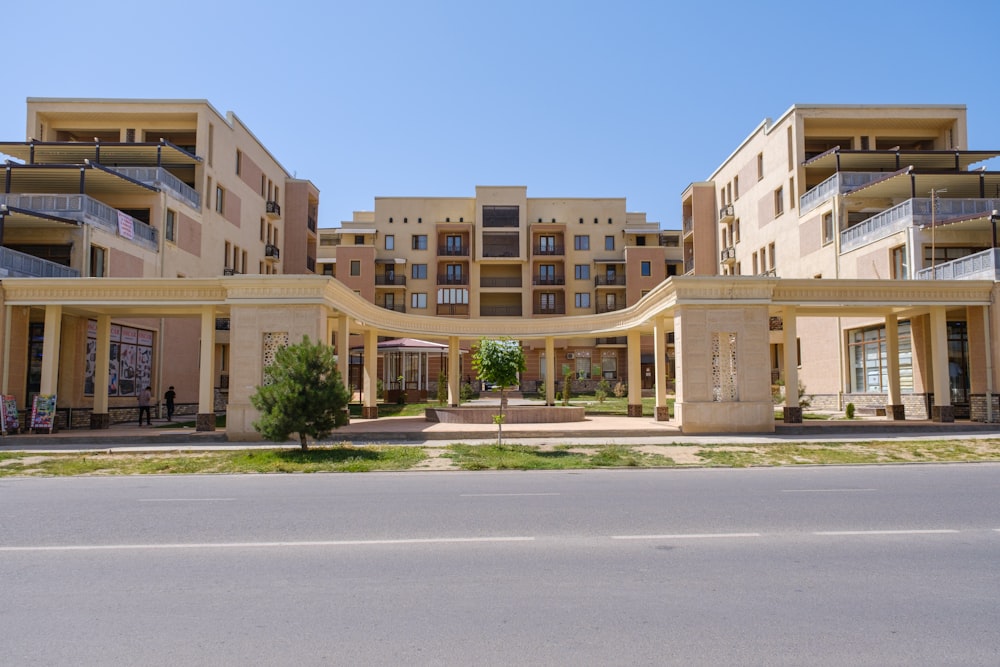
pixel 169 398
pixel 145 396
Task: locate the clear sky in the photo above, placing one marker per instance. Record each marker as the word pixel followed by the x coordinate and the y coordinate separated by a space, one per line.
pixel 629 98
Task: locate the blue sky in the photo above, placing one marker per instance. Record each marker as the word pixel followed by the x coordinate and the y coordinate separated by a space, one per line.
pixel 570 98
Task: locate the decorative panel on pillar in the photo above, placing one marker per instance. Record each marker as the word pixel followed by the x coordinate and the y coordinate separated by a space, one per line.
pixel 273 341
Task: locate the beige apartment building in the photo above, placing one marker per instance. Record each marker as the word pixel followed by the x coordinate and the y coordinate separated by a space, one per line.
pixel 890 193
pixel 141 189
pixel 504 254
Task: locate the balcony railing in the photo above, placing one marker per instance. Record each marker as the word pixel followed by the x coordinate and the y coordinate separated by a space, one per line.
pixel 162 178
pixel 727 213
pixel 222 324
pixel 548 250
pixel 687 225
pixel 911 212
pixel 769 273
pixel 500 282
pixel 500 250
pixel 618 340
pixel 548 280
pixel 453 280
pixel 839 183
pixel 549 310
pixel 273 209
pixel 609 307
pixel 396 307
pixel 311 222
pixel 453 309
pixel 610 281
pixel 983 265
pixel 669 241
pixel 310 263
pixel 452 251
pixel 272 251
pixel 728 256
pixel 500 311
pixel 688 265
pixel 16 264
pixel 394 280
pixel 229 271
pixel 84 209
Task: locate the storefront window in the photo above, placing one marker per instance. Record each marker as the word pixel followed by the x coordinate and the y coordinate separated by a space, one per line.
pixel 869 365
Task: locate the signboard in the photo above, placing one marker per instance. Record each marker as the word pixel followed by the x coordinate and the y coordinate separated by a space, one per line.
pixel 125 227
pixel 8 414
pixel 43 411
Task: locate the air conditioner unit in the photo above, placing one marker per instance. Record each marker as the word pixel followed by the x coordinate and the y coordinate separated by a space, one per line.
pixel 570 355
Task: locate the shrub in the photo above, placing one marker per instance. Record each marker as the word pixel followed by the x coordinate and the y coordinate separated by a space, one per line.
pixel 466 392
pixel 442 392
pixel 850 410
pixel 621 389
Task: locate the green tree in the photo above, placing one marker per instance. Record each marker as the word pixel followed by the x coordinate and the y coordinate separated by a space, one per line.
pixel 498 361
pixel 303 394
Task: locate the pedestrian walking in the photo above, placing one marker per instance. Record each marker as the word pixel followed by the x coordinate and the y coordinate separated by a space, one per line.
pixel 169 398
pixel 145 396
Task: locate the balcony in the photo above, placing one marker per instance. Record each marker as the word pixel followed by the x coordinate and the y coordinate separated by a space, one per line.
pixel 14 264
pixel 983 265
pixel 271 251
pixel 311 264
pixel 549 310
pixel 726 213
pixel 500 311
pixel 840 183
pixel 311 222
pixel 390 281
pixel 222 324
pixel 88 211
pixel 501 282
pixel 689 266
pixel 395 307
pixel 453 309
pixel 618 340
pixel 501 250
pixel 548 280
pixel 617 280
pixel 728 256
pixel 453 280
pixel 453 251
pixel 548 250
pixel 912 212
pixel 164 180
pixel 273 209
pixel 670 241
pixel 609 307
pixel 770 273
pixel 228 271
pixel 687 225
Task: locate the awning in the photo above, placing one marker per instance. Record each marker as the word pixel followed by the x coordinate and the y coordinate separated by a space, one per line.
pixel 66 179
pixel 164 154
pixel 906 184
pixel 891 160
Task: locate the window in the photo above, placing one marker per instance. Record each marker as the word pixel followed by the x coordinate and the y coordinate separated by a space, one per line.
pixel 418 271
pixel 640 240
pixel 736 231
pixel 420 241
pixel 98 259
pixel 581 242
pixel 418 300
pixel 359 239
pixel 582 366
pixel 646 268
pixel 827 227
pixel 170 227
pixel 609 365
pixel 239 161
pixel 900 269
pixel 736 187
pixel 754 257
pixel 867 351
pixel 453 273
pixel 501 216
pixel 779 202
pixel 547 274
pixel 760 166
pixel 546 245
pixel 547 302
pixel 453 245
pixel 355 267
pixel 583 299
pixel 452 295
pixel 791 193
pixel 609 242
pixel 770 253
pixel 220 199
pixel 582 271
pixel 225 257
pixel 390 242
pixel 263 226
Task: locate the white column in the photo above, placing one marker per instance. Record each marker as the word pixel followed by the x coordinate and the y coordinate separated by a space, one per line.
pixel 633 350
pixel 660 366
pixel 206 372
pixel 344 349
pixel 550 371
pixel 370 409
pixel 454 381
pixel 789 327
pixel 50 350
pixel 102 371
pixel 942 410
pixel 894 399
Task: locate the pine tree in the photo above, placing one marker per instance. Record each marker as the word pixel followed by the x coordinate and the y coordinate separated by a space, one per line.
pixel 303 394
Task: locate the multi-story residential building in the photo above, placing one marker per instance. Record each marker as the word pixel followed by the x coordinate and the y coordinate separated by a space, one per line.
pixel 857 192
pixel 504 254
pixel 143 189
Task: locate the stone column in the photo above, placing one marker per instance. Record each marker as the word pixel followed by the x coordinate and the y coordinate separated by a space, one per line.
pixel 206 372
pixel 894 400
pixel 550 371
pixel 792 411
pixel 634 374
pixel 99 416
pixel 660 367
pixel 50 350
pixel 942 411
pixel 369 409
pixel 454 372
pixel 344 350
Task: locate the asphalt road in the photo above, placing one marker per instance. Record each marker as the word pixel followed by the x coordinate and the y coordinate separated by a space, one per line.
pixel 877 565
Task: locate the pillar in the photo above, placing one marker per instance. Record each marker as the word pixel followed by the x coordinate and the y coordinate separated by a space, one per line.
pixel 894 407
pixel 369 409
pixel 50 350
pixel 942 411
pixel 454 373
pixel 344 350
pixel 550 371
pixel 99 416
pixel 660 367
pixel 792 410
pixel 206 372
pixel 634 374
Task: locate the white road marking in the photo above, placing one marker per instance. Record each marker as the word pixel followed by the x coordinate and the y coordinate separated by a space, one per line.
pixel 503 495
pixel 266 545
pixel 683 536
pixel 185 500
pixel 885 532
pixel 824 490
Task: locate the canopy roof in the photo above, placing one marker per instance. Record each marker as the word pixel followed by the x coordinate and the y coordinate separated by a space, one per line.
pixel 410 345
pixel 837 159
pixel 163 153
pixel 911 183
pixel 88 178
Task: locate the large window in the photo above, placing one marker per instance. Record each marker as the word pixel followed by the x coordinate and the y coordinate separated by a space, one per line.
pixel 418 271
pixel 827 227
pixel 583 299
pixel 170 228
pixel 582 271
pixel 609 242
pixel 869 364
pixel 418 300
pixel 581 242
pixel 501 216
pixel 390 242
pixel 420 241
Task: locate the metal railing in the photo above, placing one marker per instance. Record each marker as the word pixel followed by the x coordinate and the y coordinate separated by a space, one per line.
pixel 617 340
pixel 271 250
pixel 549 310
pixel 911 212
pixel 839 183
pixel 452 251
pixel 548 250
pixel 16 264
pixel 610 281
pixel 273 208
pixel 728 255
pixel 500 311
pixel 726 212
pixel 394 280
pixel 453 309
pixel 983 265
pixel 548 280
pixel 687 225
pixel 452 280
pixel 395 307
pixel 500 282
pixel 500 250
pixel 86 210
pixel 162 178
pixel 311 222
pixel 609 307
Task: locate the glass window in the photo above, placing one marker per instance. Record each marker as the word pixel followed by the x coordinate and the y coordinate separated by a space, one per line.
pixel 583 299
pixel 420 241
pixel 390 242
pixel 355 267
pixel 418 271
pixel 418 300
pixel 867 351
pixel 827 227
pixel 581 242
pixel 646 268
pixel 582 271
pixel 171 226
pixel 609 242
pixel 220 200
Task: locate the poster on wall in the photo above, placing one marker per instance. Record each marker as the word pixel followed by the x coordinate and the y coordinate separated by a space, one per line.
pixel 130 362
pixel 8 414
pixel 126 370
pixel 43 412
pixel 91 367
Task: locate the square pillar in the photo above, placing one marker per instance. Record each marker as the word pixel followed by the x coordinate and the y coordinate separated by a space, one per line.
pixel 660 367
pixel 789 327
pixel 550 371
pixel 50 350
pixel 634 352
pixel 369 408
pixel 100 418
pixel 942 410
pixel 894 408
pixel 454 374
pixel 205 420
